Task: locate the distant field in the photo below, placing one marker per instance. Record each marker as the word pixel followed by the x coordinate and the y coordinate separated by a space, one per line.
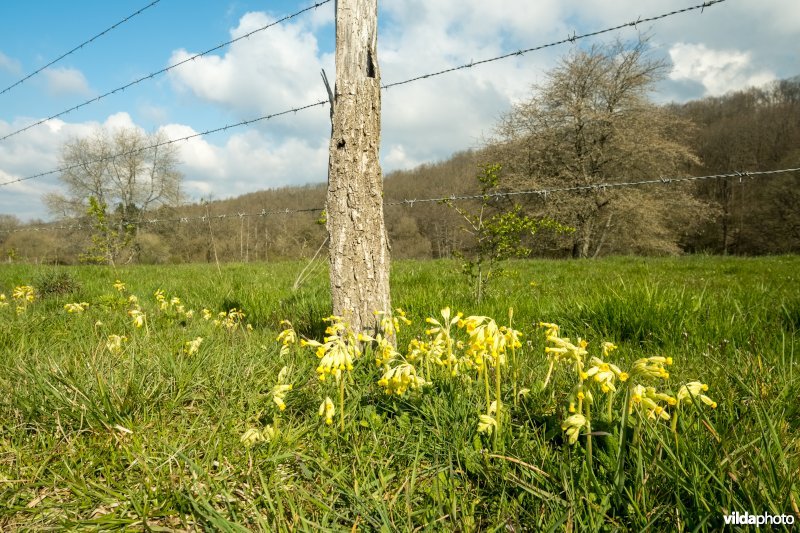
pixel 145 432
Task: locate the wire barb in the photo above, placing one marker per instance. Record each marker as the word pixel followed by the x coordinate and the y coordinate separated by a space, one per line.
pixel 80 46
pixel 446 200
pixel 162 71
pixel 569 39
pixel 325 101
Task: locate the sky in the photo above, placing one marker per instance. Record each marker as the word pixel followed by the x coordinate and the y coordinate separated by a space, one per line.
pixel 726 47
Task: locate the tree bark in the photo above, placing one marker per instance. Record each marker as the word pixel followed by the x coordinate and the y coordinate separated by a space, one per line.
pixel 359 249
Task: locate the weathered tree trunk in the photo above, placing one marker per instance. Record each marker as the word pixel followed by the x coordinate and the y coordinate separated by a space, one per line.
pixel 359 248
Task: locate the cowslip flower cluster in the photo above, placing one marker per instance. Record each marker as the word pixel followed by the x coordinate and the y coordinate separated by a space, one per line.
pixel 695 389
pixel 651 367
pixel 114 343
pixel 487 423
pixel 562 350
pixel 3 300
pixel 231 320
pixel 397 380
pixel 278 392
pixel 327 410
pixel 193 346
pixel 253 436
pixel 23 295
pixel 604 374
pixel 642 397
pixel 573 425
pixel 649 399
pixel 76 308
pixel 390 323
pixel 441 346
pixel 287 337
pixel 172 304
pixel 338 351
pixel 138 317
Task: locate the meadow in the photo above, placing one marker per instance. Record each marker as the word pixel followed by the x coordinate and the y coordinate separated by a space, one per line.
pixel 116 416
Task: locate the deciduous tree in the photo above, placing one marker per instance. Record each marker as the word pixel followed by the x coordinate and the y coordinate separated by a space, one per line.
pixel 591 123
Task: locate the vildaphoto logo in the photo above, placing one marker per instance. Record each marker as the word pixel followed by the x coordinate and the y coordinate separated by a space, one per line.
pixel 746 519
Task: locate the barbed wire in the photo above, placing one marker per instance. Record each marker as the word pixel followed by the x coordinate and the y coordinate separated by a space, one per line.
pixel 410 80
pixel 408 202
pixel 571 39
pixel 84 43
pixel 167 142
pixel 591 187
pixel 164 70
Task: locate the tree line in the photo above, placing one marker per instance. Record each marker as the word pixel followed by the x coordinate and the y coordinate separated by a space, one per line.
pixel 591 121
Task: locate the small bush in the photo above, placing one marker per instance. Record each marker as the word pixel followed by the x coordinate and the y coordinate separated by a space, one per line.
pixel 55 283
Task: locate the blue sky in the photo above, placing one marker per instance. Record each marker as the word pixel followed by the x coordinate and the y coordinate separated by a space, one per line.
pixel 730 46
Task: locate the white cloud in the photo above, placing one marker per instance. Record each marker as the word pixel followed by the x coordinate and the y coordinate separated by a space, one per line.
pixel 66 81
pixel 9 65
pixel 727 46
pixel 247 161
pixel 269 72
pixel 719 71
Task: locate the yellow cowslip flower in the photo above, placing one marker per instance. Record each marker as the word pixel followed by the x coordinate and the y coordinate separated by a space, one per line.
pixel 651 367
pixel 76 307
pixel 604 374
pixel 608 347
pixel 133 299
pixel 390 324
pixel 327 409
pixel 399 379
pixel 119 286
pixel 3 302
pixel 695 389
pixel 279 391
pixel 512 337
pixel 384 352
pixel 231 320
pixel 193 346
pixel 417 350
pixel 24 294
pixel 646 398
pixel 487 342
pixel 138 317
pixel 551 330
pixel 572 425
pixel 287 337
pixel 564 350
pixel 278 394
pixel 251 437
pixel 206 314
pixel 337 351
pixel 486 424
pixel 114 343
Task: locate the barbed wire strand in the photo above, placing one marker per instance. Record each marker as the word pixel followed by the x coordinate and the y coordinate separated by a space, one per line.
pixel 417 78
pixel 166 69
pixel 408 202
pixel 168 142
pixel 84 43
pixel 571 39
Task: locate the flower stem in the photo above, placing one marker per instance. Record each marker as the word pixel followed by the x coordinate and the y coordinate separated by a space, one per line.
pixel 497 413
pixel 341 402
pixel 589 434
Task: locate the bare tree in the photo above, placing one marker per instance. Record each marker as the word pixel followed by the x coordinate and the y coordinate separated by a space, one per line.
pixel 119 169
pixel 590 123
pixel 359 249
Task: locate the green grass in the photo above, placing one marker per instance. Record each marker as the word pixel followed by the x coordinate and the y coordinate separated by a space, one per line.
pixel 150 438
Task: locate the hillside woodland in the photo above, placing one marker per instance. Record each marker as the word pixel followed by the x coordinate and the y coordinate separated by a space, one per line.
pixel 565 136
